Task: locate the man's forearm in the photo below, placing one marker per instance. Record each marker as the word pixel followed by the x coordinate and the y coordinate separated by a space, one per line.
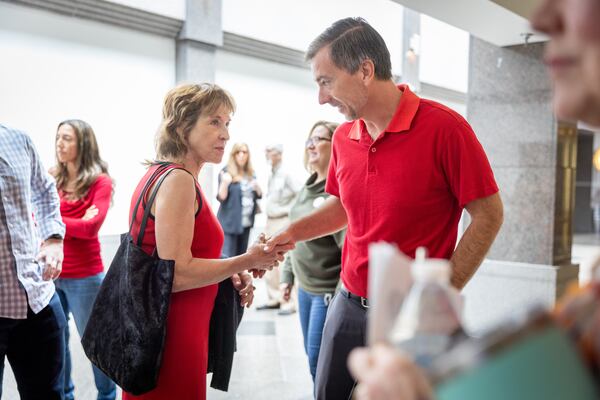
pixel 327 219
pixel 476 241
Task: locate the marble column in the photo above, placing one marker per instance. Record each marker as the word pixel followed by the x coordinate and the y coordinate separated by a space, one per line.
pixel 197 44
pixel 534 158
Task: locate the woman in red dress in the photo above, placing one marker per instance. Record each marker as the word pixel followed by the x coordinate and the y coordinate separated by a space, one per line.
pixel 194 132
pixel 85 191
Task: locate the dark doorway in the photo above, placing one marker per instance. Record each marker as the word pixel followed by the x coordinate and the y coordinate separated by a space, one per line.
pixel 583 220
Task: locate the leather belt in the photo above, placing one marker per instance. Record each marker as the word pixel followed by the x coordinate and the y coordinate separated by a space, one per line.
pixel 362 301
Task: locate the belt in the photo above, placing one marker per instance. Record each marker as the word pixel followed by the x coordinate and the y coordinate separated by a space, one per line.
pixel 362 301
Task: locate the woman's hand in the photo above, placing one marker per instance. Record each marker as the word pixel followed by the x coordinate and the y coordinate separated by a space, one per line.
pixel 226 178
pixel 256 187
pixel 286 290
pixel 90 213
pixel 261 260
pixel 257 273
pixel 385 373
pixel 242 282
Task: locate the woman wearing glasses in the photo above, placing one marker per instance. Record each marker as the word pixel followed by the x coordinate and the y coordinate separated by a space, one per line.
pixel 238 193
pixel 314 265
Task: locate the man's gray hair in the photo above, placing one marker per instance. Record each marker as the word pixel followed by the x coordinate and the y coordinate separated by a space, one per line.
pixel 351 41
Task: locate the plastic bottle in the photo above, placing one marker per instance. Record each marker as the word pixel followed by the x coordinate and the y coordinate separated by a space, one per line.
pixel 429 319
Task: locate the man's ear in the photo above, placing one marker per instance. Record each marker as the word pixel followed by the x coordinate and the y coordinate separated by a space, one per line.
pixel 367 70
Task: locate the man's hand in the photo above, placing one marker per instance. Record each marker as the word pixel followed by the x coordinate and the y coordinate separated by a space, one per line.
pixel 280 248
pixel 51 257
pixel 266 260
pixel 242 282
pixel 385 373
pixel 283 238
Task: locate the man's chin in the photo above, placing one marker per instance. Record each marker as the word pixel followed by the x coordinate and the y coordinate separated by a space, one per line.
pixel 348 116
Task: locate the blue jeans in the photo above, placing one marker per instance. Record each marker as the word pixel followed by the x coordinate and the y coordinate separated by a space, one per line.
pixel 35 350
pixel 234 245
pixel 77 296
pixel 312 309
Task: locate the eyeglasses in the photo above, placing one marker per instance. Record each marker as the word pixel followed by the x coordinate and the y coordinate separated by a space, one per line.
pixel 313 141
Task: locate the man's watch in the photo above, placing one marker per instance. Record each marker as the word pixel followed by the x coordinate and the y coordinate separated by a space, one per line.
pixel 55 236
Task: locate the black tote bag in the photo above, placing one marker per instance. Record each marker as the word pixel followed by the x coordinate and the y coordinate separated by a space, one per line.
pixel 125 333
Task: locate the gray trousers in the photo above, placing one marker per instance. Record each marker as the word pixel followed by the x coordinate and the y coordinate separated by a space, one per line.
pixel 345 328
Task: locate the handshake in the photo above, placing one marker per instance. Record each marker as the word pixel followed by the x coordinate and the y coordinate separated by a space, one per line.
pixel 266 253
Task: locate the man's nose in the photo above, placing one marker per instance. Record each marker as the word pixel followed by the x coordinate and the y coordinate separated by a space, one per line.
pixel 324 97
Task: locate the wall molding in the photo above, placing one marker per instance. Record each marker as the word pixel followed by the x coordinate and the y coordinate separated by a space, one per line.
pixel 111 13
pixel 267 51
pixel 145 21
pixel 442 93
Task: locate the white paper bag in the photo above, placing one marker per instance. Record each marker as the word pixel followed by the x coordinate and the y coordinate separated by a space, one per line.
pixel 390 280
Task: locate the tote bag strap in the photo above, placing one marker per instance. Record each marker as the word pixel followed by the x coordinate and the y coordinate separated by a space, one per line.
pixel 162 167
pixel 151 201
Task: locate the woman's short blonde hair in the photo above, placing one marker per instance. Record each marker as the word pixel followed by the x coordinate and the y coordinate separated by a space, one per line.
pixel 183 105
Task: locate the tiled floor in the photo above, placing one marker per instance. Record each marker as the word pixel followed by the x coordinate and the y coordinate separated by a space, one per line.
pixel 270 362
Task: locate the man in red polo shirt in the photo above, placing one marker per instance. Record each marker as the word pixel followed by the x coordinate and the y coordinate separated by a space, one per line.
pixel 402 170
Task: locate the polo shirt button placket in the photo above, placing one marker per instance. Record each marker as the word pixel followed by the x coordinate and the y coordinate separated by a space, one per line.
pixel 371 165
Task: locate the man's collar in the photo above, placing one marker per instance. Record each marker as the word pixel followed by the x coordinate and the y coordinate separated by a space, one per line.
pixel 402 119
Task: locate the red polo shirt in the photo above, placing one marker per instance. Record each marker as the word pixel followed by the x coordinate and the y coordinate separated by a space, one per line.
pixel 409 186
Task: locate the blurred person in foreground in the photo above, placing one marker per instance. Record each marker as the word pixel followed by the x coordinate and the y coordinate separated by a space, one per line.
pixel 573 59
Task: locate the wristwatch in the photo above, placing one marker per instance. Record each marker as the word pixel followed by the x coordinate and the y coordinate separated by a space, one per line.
pixel 55 236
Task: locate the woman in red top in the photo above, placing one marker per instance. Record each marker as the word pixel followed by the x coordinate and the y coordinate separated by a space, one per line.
pixel 194 132
pixel 85 191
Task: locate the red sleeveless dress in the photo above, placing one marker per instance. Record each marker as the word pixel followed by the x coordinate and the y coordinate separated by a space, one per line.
pixel 183 371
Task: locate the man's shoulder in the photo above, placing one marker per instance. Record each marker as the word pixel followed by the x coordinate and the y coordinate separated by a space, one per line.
pixel 440 112
pixel 12 136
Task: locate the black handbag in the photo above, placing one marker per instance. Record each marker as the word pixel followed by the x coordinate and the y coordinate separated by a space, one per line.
pixel 125 333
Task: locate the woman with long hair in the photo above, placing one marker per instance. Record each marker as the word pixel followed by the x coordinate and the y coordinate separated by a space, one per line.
pixel 183 228
pixel 85 191
pixel 239 194
pixel 314 266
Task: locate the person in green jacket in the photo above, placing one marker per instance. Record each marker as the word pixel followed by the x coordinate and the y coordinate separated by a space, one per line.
pixel 314 266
